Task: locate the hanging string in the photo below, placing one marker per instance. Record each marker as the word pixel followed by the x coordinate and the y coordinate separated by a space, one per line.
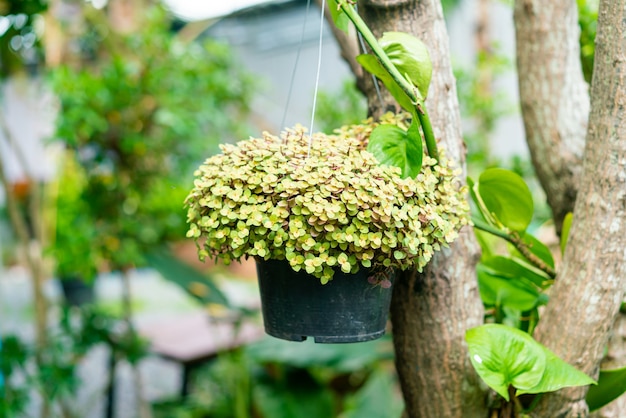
pixel 317 76
pixel 295 65
pixel 364 50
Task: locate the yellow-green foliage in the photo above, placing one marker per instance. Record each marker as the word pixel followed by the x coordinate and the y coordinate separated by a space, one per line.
pixel 332 206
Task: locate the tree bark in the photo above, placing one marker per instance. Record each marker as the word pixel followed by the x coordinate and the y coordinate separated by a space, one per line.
pixel 589 288
pixel 614 359
pixel 431 312
pixel 553 95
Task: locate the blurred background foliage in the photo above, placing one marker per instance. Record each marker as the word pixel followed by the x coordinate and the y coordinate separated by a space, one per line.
pixel 20 42
pixel 278 379
pixel 139 114
pixel 587 20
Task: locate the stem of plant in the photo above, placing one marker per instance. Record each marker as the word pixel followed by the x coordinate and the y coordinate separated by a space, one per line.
pixel 517 242
pixel 408 88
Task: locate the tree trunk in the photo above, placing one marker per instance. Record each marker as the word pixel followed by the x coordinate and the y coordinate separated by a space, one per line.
pixel 589 288
pixel 553 95
pixel 431 312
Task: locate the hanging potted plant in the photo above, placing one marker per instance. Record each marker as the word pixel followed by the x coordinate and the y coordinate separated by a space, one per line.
pixel 326 223
pixel 333 216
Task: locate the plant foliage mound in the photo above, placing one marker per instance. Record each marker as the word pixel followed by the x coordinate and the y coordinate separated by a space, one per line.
pixel 322 204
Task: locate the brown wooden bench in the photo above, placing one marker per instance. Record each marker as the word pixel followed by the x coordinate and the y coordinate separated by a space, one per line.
pixel 192 340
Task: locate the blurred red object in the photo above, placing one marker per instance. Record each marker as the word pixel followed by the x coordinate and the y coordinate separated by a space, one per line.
pixel 21 189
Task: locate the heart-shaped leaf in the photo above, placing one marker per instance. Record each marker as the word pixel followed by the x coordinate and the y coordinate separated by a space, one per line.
pixel 507 197
pixel 505 356
pixel 371 65
pixel 392 145
pixel 558 375
pixel 499 290
pixel 410 56
pixel 339 17
pixel 513 268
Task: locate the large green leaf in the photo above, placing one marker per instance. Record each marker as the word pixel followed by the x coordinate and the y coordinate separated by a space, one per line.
pixel 339 17
pixel 499 290
pixel 516 269
pixel 392 145
pixel 506 196
pixel 558 375
pixel 410 56
pixel 505 356
pixel 611 385
pixel 373 66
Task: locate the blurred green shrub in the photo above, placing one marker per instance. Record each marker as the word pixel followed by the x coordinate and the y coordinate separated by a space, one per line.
pixel 279 379
pixel 139 116
pixel 587 20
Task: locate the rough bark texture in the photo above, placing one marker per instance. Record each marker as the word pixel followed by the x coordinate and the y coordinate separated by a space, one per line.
pixel 431 312
pixel 553 95
pixel 614 359
pixel 589 288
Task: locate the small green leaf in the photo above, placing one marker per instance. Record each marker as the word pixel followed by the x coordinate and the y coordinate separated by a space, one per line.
pixel 339 17
pixel 371 65
pixel 410 56
pixel 611 385
pixel 506 196
pixel 391 145
pixel 500 290
pixel 504 356
pixel 567 224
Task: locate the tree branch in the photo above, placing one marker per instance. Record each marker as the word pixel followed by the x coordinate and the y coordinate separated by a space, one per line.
pixel 553 95
pixel 430 312
pixel 590 286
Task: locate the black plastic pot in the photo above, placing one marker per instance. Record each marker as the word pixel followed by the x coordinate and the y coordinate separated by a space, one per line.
pixel 295 305
pixel 76 291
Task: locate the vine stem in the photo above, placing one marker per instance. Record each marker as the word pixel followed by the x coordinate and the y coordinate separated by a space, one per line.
pixel 408 88
pixel 515 239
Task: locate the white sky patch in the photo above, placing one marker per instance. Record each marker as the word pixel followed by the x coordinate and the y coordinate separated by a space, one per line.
pixel 191 10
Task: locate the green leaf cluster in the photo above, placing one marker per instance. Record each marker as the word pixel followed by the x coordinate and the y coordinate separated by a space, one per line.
pixel 512 285
pixel 322 205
